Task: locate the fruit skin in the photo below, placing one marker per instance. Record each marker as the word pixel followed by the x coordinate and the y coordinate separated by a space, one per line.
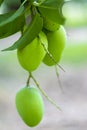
pixel 30 106
pixel 31 55
pixel 50 25
pixel 56 44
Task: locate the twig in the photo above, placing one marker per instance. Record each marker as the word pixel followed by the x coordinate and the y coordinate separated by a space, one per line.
pixel 44 93
pixel 58 77
pixel 51 56
pixel 28 80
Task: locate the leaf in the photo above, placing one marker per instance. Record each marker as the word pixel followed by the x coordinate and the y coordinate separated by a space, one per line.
pixel 1 1
pixel 5 16
pixel 12 22
pixel 31 32
pixel 52 9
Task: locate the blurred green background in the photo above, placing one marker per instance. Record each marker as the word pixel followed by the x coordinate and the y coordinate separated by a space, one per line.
pixel 73 99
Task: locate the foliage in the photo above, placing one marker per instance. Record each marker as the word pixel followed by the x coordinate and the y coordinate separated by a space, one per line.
pixel 34 11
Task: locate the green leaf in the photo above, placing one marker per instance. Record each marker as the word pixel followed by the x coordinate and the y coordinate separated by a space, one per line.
pixel 31 32
pixel 12 22
pixel 52 9
pixel 5 16
pixel 1 1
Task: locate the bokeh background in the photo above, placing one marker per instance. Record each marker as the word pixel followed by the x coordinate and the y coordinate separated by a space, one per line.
pixel 72 98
